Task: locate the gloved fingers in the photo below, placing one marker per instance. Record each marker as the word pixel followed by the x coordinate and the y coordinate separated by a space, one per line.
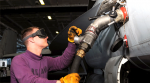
pixel 74 80
pixel 72 27
pixel 73 31
pixel 69 32
pixel 75 76
pixel 71 78
pixel 72 75
pixel 71 35
pixel 71 40
pixel 79 31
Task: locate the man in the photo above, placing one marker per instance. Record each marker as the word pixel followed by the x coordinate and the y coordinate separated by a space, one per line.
pixel 32 67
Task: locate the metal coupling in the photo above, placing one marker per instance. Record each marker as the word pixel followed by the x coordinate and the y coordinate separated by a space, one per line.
pixel 122 14
pixel 80 53
pixel 78 40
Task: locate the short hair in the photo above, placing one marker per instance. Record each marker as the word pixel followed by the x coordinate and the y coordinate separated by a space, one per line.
pixel 26 32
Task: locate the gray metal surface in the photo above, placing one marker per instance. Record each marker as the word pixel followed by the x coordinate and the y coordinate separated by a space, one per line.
pixel 111 69
pixel 137 30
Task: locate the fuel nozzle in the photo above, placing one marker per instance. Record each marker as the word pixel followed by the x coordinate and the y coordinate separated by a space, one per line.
pixel 91 33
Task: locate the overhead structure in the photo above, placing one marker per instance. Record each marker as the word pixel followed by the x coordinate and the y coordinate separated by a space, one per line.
pixel 53 15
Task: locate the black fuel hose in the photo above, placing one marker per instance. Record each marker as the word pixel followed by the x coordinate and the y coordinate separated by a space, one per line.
pixel 76 64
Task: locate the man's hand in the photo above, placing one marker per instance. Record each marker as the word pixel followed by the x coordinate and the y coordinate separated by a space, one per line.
pixel 71 78
pixel 73 31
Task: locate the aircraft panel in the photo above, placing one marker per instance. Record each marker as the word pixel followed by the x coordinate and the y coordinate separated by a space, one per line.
pixel 137 29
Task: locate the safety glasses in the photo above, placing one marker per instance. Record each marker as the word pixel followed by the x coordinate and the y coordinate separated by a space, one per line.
pixel 40 33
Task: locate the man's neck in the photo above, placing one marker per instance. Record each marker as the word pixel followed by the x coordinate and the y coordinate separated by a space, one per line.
pixel 34 50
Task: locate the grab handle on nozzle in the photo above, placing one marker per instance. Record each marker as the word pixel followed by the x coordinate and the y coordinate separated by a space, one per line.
pixel 95 17
pixel 116 5
pixel 92 18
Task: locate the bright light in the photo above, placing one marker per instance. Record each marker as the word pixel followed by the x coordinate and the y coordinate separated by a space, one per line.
pixel 42 2
pixel 49 17
pixel 57 32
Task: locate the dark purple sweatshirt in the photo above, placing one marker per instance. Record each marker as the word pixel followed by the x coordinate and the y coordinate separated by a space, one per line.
pixel 31 68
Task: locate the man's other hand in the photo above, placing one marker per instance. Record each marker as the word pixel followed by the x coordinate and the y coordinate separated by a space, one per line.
pixel 71 78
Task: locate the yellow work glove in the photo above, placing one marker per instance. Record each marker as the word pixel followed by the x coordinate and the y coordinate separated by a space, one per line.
pixel 73 31
pixel 70 78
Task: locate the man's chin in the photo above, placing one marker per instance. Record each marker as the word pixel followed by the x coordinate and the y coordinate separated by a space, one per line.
pixel 44 46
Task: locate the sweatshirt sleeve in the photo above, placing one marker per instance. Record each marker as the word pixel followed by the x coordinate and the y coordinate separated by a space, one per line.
pixel 23 74
pixel 63 61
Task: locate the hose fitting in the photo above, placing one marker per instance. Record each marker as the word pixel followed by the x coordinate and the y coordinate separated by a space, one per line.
pixel 80 53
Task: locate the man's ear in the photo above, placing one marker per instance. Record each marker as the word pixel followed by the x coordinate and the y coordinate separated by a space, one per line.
pixel 31 39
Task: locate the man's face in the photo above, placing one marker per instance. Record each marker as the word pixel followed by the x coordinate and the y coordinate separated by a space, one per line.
pixel 41 42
